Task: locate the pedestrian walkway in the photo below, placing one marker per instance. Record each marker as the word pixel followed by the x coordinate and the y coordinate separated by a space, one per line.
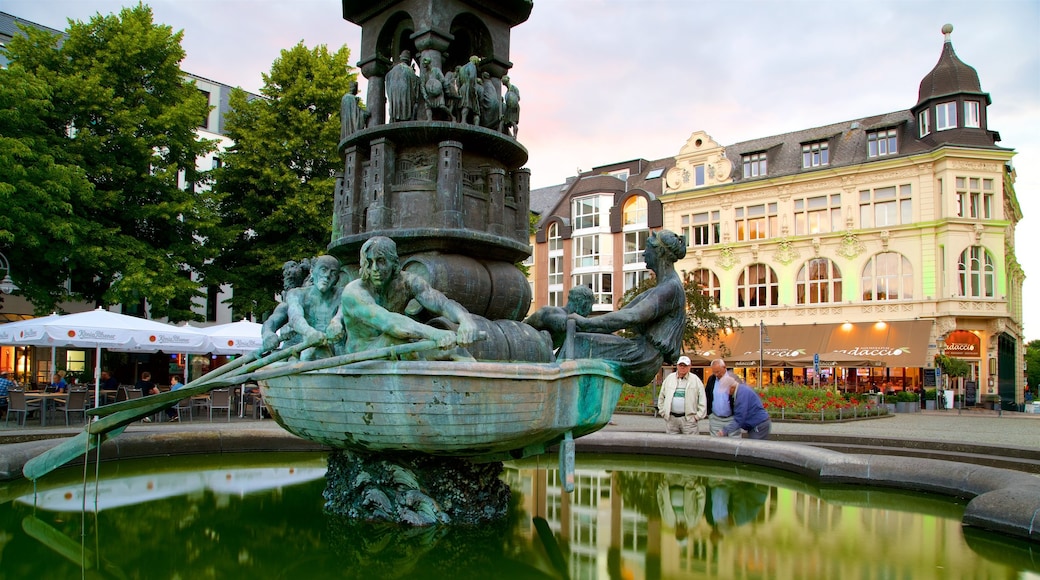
pixel 977 427
pixel 1009 429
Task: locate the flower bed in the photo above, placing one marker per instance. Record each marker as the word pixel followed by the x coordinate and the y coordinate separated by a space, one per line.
pixel 807 403
pixel 787 402
pixel 637 400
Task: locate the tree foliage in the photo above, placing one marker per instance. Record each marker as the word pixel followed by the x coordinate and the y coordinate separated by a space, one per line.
pixel 97 142
pixel 1033 364
pixel 952 366
pixel 703 323
pixel 276 183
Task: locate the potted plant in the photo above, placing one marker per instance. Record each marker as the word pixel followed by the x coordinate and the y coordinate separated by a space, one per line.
pixel 929 399
pixel 906 401
pixel 889 402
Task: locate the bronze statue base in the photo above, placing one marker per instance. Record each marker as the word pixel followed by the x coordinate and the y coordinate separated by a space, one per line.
pixel 414 489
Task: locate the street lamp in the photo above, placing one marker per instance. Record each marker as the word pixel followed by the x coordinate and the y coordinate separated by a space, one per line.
pixel 7 285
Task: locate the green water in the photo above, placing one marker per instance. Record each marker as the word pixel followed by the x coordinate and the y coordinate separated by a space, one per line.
pixel 260 516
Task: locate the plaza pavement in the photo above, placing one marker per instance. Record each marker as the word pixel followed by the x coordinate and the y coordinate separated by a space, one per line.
pixel 981 428
pixel 1009 429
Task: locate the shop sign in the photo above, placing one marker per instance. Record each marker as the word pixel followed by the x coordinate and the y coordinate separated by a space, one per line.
pixel 964 344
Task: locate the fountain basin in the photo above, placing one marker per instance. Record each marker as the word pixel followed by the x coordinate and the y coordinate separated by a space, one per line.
pixel 484 411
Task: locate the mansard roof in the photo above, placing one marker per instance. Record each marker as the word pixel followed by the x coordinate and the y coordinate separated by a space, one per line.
pixel 846 144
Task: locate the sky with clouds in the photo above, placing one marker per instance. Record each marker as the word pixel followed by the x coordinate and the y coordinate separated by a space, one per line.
pixel 603 81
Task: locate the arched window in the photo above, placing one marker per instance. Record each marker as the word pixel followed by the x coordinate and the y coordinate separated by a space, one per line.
pixel 757 286
pixel 555 241
pixel 635 211
pixel 708 284
pixel 888 276
pixel 975 273
pixel 818 282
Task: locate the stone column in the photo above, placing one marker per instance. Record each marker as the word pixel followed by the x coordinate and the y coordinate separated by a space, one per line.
pixel 522 199
pixel 382 165
pixel 348 205
pixel 374 70
pixel 449 185
pixel 432 44
pixel 496 180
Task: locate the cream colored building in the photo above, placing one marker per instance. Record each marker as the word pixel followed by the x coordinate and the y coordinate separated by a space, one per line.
pixel 879 241
pixel 900 217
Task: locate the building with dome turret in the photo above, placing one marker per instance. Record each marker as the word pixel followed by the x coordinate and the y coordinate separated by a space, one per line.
pixel 876 243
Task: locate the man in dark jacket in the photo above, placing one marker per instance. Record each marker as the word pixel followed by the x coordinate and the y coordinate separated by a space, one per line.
pixel 748 412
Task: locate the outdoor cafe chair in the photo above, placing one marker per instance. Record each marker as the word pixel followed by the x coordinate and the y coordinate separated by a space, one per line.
pixel 16 403
pixel 184 408
pixel 254 402
pixel 220 399
pixel 76 402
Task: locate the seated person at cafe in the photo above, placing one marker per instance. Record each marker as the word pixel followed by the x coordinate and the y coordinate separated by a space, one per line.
pixel 148 387
pixel 145 384
pixel 6 384
pixel 108 382
pixel 57 384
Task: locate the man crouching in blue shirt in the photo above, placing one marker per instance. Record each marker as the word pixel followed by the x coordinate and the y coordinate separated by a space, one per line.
pixel 748 412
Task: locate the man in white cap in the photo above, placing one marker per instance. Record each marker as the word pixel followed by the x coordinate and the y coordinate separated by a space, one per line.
pixel 682 401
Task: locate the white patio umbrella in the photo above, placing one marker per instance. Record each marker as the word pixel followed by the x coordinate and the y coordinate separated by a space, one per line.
pixel 10 330
pixel 103 329
pixel 242 337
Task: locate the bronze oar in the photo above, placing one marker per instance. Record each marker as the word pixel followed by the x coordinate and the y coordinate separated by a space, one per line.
pixel 118 415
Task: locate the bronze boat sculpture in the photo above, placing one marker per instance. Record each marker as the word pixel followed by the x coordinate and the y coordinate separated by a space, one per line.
pixel 485 411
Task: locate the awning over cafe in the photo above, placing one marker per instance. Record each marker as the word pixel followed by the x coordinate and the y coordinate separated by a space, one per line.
pixel 779 345
pixel 902 343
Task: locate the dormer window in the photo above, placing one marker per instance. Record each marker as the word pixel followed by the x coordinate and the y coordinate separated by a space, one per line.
pixel 815 154
pixel 945 116
pixel 755 164
pixel 923 124
pixel 971 114
pixel 880 143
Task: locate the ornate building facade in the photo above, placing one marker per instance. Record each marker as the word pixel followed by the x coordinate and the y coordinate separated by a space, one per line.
pixel 885 240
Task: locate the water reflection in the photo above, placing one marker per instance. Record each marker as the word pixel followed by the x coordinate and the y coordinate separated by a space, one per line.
pixel 261 516
pixel 123 491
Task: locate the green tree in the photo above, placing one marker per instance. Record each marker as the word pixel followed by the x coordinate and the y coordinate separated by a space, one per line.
pixel 277 181
pixel 703 323
pixel 1033 364
pixel 952 366
pixel 102 196
pixel 38 188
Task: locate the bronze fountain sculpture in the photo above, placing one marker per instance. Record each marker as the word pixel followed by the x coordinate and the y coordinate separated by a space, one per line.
pixel 411 357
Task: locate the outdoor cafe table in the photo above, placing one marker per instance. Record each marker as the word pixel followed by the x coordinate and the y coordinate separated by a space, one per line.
pixel 107 396
pixel 44 399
